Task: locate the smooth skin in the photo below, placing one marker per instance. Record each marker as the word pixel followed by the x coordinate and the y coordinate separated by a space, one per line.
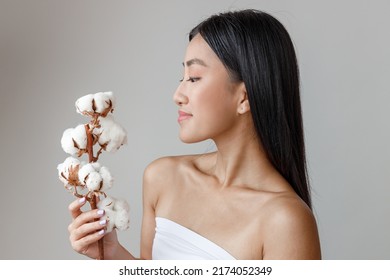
pixel 234 197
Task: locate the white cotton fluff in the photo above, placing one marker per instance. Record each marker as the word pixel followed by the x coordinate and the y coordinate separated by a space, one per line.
pixel 100 103
pixel 116 213
pixel 65 168
pixel 106 203
pixel 109 214
pixel 111 134
pixel 61 171
pixel 96 165
pixel 122 204
pixel 84 172
pixel 62 179
pixel 106 177
pixel 122 221
pixel 96 177
pixel 84 104
pixel 93 181
pixel 80 136
pixel 110 217
pixel 74 139
pixel 104 101
pixel 67 143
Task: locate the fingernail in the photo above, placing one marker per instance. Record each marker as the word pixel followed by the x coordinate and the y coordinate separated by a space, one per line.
pixel 101 232
pixel 82 200
pixel 100 212
pixel 103 222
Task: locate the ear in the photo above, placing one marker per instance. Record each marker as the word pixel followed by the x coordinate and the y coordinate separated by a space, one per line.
pixel 243 102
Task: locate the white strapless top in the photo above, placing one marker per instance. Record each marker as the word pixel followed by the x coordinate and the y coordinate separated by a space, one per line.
pixel 176 242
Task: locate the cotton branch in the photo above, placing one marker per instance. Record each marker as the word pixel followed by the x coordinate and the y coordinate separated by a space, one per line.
pixel 91 178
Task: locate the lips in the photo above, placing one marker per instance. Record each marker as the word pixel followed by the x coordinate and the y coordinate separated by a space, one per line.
pixel 183 116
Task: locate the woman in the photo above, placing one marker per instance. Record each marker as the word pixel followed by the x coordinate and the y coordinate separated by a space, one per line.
pixel 248 200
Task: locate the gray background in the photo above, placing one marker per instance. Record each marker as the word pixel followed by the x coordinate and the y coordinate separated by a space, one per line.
pixel 52 52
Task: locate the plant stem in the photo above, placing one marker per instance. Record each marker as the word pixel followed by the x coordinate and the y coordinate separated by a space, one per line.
pixel 89 144
pixel 93 198
pixel 93 203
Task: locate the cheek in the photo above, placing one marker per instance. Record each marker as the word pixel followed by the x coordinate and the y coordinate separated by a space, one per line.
pixel 216 110
pixel 212 97
pixel 217 102
pixel 211 118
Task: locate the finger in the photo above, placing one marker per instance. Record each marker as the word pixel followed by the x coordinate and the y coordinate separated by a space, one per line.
pixel 87 217
pixel 74 207
pixel 87 229
pixel 81 245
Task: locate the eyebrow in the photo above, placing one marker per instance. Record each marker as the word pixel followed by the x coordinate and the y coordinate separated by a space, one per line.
pixel 195 61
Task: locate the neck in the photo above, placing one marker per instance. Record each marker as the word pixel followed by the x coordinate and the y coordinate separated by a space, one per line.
pixel 241 161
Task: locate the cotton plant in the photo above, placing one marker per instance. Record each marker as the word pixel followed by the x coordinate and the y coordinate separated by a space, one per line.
pixel 90 179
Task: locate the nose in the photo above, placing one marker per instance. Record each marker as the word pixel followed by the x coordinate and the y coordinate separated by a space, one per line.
pixel 179 97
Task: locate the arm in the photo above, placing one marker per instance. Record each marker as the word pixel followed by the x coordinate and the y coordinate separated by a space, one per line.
pixel 151 183
pixel 85 232
pixel 291 233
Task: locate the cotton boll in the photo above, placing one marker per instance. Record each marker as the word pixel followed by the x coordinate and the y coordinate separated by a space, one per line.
pixel 96 165
pixel 103 132
pixel 118 138
pixel 122 221
pixel 71 161
pixel 107 178
pixel 79 135
pixel 111 135
pixel 61 172
pixel 68 171
pixel 84 171
pixel 74 140
pixel 110 217
pixel 110 95
pixel 104 102
pixel 67 143
pixel 121 204
pixel 99 103
pixel 84 104
pixel 106 203
pixel 102 182
pixel 93 182
pixel 116 213
pixel 122 214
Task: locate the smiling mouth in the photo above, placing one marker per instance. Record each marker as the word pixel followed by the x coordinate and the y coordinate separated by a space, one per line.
pixel 183 116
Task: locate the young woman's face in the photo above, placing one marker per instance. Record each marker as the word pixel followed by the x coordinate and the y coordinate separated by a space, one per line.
pixel 207 98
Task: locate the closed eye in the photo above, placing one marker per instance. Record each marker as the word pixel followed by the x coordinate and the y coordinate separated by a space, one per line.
pixel 193 79
pixel 190 79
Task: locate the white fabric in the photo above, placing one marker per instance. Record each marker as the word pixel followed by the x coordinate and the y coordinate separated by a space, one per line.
pixel 176 242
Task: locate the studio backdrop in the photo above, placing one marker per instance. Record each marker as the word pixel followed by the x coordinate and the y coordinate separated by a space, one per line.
pixel 52 52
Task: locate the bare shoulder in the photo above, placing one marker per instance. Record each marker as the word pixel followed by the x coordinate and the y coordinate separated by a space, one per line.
pixel 288 210
pixel 157 169
pixel 156 177
pixel 164 168
pixel 290 230
pixel 164 172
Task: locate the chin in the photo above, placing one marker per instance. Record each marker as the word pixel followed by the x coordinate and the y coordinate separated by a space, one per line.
pixel 191 139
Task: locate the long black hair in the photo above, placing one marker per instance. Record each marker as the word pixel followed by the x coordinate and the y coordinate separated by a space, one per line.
pixel 256 48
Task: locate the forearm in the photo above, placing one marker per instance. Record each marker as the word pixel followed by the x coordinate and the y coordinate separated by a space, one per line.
pixel 120 253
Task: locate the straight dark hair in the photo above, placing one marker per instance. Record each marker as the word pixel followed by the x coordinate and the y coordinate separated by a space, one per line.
pixel 256 48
